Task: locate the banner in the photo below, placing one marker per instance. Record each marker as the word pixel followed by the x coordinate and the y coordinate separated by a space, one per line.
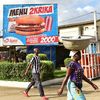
pixel 30 24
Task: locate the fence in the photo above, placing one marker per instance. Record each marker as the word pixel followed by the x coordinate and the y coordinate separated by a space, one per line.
pixel 90 62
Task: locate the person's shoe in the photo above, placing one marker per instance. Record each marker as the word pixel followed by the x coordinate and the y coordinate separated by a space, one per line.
pixel 45 98
pixel 25 94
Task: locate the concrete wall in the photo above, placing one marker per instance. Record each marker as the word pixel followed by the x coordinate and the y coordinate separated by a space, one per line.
pixel 73 31
pixel 98 29
pixel 1 42
pixel 70 31
pixel 88 30
pixel 85 29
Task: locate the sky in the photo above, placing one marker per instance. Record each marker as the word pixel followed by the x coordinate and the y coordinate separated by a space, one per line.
pixel 69 11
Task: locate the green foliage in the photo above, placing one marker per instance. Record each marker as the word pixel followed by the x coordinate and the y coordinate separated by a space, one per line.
pixel 47 70
pixel 42 56
pixel 29 57
pixel 15 71
pixel 67 61
pixel 12 71
pixel 59 73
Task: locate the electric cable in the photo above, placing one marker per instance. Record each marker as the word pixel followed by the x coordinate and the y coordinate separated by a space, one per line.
pixel 75 17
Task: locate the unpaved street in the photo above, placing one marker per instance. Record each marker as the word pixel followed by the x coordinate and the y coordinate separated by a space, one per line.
pixel 7 93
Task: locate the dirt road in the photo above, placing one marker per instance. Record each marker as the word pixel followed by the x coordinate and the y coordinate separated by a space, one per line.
pixel 7 93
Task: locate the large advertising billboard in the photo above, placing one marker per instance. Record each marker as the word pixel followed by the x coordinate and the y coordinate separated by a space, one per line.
pixel 30 24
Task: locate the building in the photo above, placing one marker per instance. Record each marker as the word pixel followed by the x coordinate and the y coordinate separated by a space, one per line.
pixel 91 55
pixel 58 53
pixel 83 28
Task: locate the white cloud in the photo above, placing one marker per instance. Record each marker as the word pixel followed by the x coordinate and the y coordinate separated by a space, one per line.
pixel 66 8
pixel 79 9
pixel 89 9
pixel 85 9
pixel 65 11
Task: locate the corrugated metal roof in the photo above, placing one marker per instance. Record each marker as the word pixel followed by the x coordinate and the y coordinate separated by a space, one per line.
pixel 77 24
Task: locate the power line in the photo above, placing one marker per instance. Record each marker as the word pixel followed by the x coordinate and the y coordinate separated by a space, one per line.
pixel 97 13
pixel 75 17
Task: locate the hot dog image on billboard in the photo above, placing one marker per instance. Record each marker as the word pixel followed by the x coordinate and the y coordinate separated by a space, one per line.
pixel 30 24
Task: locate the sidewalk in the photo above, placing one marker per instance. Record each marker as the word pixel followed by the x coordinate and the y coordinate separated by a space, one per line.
pixel 24 84
pixel 51 91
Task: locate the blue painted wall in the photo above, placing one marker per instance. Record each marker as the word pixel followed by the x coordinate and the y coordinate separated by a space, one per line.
pixel 50 51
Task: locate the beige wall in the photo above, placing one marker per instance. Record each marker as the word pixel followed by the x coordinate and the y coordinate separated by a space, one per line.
pixel 73 31
pixel 98 29
pixel 68 32
pixel 1 42
pixel 88 30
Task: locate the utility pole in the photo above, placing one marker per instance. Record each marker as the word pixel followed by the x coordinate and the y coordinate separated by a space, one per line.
pixel 95 26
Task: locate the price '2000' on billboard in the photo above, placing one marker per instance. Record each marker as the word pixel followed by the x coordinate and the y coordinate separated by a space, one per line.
pixel 30 24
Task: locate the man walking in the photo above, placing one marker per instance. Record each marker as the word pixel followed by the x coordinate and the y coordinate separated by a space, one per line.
pixel 35 66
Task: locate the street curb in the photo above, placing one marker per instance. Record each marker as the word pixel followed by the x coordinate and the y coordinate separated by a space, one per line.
pixel 25 84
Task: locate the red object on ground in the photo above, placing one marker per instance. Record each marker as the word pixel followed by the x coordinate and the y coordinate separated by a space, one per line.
pixel 25 94
pixel 44 98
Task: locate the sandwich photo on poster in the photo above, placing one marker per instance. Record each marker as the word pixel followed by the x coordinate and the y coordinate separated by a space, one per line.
pixel 30 24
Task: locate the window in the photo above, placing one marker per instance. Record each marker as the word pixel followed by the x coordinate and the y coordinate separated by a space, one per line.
pixel 86 28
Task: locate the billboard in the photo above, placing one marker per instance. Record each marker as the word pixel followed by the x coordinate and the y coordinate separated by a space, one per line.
pixel 30 24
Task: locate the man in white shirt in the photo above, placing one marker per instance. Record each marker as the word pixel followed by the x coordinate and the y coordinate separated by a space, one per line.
pixel 35 66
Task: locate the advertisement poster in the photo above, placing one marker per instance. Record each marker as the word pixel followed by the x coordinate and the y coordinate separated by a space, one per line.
pixel 30 24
